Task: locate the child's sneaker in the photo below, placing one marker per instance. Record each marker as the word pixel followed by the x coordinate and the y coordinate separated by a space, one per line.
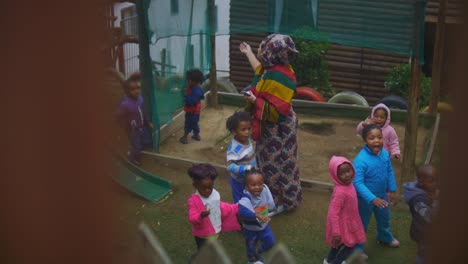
pixel 196 137
pixel 363 256
pixel 394 244
pixel 183 140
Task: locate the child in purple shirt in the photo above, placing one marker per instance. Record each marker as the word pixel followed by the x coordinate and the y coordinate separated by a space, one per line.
pixel 131 116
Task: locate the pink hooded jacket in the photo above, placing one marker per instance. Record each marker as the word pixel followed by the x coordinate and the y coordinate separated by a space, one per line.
pixel 343 215
pixel 390 137
pixel 202 227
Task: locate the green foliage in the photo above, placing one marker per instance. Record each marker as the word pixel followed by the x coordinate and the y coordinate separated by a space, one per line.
pixel 398 82
pixel 311 65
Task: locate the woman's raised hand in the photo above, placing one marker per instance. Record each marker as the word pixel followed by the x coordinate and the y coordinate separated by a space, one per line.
pixel 245 48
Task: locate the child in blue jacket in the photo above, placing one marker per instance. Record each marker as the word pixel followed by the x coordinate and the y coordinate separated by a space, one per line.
pixel 254 208
pixel 373 181
pixel 192 99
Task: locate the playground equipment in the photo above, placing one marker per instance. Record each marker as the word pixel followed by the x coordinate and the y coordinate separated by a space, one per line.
pixel 307 93
pixel 442 107
pixel 394 101
pixel 138 181
pixel 349 97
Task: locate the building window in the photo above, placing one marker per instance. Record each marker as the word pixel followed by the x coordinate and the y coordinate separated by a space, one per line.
pixel 129 22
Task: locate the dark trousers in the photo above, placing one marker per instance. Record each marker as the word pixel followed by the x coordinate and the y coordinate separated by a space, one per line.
pixel 200 242
pixel 237 189
pixel 265 236
pixel 421 254
pixel 339 254
pixel 139 138
pixel 191 123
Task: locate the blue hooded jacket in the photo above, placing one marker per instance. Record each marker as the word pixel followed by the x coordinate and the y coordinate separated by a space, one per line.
pixel 373 174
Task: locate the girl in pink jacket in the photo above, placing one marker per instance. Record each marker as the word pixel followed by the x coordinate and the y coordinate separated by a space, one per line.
pixel 344 229
pixel 380 115
pixel 207 214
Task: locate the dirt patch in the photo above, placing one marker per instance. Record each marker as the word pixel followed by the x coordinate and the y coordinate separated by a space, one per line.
pixel 323 128
pixel 319 138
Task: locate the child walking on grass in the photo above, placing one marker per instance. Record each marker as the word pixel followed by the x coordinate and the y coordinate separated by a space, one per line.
pixel 375 184
pixel 240 154
pixel 254 208
pixel 192 105
pixel 130 115
pixel 380 116
pixel 344 228
pixel 207 214
pixel 422 197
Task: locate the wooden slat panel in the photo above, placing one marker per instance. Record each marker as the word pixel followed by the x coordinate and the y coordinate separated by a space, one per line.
pixel 454 11
pixel 241 73
pixel 361 70
pixel 241 16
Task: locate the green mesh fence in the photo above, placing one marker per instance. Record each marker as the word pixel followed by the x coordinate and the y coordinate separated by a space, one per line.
pixel 378 24
pixel 179 33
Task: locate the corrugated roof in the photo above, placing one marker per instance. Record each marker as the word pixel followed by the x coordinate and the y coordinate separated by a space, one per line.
pixel 378 24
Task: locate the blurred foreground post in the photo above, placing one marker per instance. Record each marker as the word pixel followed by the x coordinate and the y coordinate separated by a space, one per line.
pixel 55 187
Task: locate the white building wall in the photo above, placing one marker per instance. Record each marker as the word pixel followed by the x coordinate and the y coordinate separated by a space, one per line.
pixel 176 46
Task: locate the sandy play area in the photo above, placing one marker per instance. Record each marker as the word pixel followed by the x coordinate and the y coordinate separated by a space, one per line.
pixel 319 138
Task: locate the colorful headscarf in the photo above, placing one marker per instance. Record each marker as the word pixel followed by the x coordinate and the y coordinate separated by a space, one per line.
pixel 277 49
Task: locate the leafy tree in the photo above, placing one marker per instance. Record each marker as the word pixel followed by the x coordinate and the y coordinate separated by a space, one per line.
pixel 311 65
pixel 398 82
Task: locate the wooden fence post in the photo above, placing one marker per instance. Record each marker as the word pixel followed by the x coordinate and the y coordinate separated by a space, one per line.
pixel 438 58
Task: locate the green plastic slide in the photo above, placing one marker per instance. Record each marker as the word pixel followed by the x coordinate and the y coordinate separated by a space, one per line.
pixel 139 181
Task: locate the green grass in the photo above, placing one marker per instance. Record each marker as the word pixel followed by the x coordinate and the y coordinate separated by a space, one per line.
pixel 302 230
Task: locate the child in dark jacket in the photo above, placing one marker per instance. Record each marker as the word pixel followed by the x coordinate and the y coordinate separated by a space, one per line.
pixel 192 98
pixel 254 208
pixel 422 199
pixel 131 116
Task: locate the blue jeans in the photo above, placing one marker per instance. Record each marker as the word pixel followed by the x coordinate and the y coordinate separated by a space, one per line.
pixel 191 123
pixel 382 217
pixel 251 239
pixel 139 138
